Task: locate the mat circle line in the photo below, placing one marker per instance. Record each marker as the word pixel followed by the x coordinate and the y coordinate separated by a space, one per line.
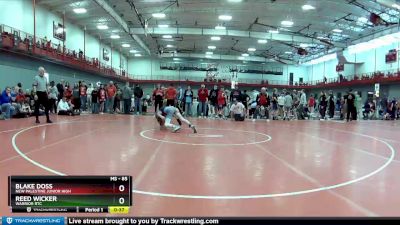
pixel 223 197
pixel 269 138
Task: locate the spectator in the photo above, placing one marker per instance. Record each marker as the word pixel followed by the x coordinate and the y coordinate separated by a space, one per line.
pixel 26 108
pixel 303 104
pixel 222 98
pixel 391 111
pixel 281 104
pixel 331 105
pixel 53 95
pixel 235 94
pixel 102 98
pixel 367 110
pixel 274 102
pixel 117 100
pixel 67 92
pixel 5 101
pixel 41 98
pixel 322 105
pixel 14 94
pixel 358 104
pixel 213 97
pixel 254 95
pixel 263 102
pixel 126 96
pixel 245 98
pixel 311 104
pixel 60 89
pixel 20 97
pixel 89 97
pixel 170 95
pixel 296 102
pixel 138 92
pixel 76 99
pixel 158 97
pixel 287 106
pixel 94 102
pixel 202 93
pixel 350 102
pixel 237 111
pixel 18 87
pixel 188 100
pixel 179 97
pixel 111 90
pixel 83 95
pixel 64 108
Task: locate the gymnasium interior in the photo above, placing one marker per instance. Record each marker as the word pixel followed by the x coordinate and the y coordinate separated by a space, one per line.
pixel 280 108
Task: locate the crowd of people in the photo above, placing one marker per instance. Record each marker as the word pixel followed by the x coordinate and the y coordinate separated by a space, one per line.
pixel 64 98
pixel 285 104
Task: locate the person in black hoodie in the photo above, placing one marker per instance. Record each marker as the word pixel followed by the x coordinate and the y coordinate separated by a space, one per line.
pixel 213 97
pixel 60 89
pixel 351 114
pixel 322 105
pixel 245 100
pixel 331 105
pixel 138 93
pixel 235 94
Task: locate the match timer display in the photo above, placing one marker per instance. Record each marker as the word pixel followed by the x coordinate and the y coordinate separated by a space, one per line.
pixel 86 194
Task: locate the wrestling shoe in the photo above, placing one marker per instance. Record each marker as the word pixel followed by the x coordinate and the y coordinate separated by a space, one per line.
pixel 176 129
pixel 193 128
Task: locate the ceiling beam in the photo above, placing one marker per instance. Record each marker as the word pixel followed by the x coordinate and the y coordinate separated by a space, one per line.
pixel 234 33
pixel 103 4
pixel 215 56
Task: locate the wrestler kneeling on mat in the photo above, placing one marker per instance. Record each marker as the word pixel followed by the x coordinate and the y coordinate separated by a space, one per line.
pixel 164 117
pixel 238 112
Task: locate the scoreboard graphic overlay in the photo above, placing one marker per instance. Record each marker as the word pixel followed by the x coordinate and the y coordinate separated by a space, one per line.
pixel 86 194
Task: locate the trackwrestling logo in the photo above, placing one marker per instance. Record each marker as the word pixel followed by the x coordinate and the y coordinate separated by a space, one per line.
pixel 33 220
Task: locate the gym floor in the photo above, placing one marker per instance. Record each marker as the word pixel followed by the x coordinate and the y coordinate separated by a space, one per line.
pixel 276 168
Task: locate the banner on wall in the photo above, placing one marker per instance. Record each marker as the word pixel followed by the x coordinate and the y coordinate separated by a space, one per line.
pixel 59 31
pixel 106 54
pixel 377 89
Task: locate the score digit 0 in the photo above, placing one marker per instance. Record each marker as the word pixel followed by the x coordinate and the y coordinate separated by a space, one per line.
pixel 121 200
pixel 121 188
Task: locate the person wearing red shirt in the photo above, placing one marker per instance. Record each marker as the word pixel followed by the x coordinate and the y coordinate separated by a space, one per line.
pixel 170 95
pixel 221 99
pixel 83 95
pixel 202 93
pixel 311 104
pixel 20 97
pixel 158 97
pixel 111 90
pixel 68 91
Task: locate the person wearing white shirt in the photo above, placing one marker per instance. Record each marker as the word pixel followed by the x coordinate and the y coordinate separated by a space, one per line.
pixel 303 104
pixel 89 95
pixel 254 95
pixel 237 111
pixel 64 108
pixel 281 103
